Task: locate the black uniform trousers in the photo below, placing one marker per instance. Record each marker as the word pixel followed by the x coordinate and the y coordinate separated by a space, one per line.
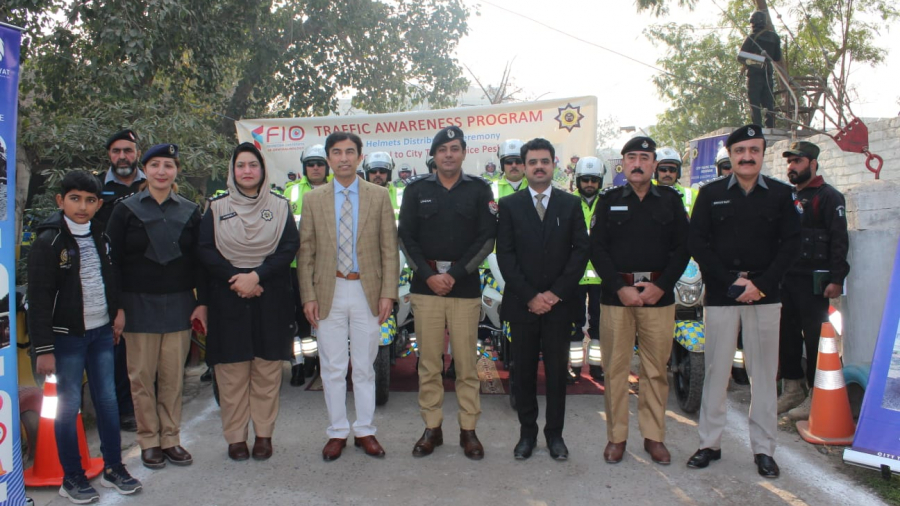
pixel 760 91
pixel 530 339
pixel 591 293
pixel 123 384
pixel 802 315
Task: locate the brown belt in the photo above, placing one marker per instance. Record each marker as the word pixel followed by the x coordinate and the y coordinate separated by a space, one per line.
pixel 628 277
pixel 351 276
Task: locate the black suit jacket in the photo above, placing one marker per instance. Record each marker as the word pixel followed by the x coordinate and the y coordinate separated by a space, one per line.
pixel 536 256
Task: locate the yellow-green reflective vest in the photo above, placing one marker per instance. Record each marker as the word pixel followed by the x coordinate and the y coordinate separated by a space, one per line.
pixel 590 274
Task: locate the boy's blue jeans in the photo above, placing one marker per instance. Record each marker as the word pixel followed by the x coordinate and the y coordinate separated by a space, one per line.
pixel 74 354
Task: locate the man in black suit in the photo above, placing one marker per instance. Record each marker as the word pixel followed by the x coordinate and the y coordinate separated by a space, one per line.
pixel 542 249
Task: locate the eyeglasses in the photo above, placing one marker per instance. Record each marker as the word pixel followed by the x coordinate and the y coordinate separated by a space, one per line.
pixel 512 161
pixel 316 164
pixel 379 171
pixel 667 169
pixel 590 179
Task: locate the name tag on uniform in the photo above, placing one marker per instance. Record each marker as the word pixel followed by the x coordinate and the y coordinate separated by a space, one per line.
pixel 226 216
pixel 425 201
pixel 618 208
pixel 721 202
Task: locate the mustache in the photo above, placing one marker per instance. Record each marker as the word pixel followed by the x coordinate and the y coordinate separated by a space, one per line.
pixel 746 162
pixel 637 170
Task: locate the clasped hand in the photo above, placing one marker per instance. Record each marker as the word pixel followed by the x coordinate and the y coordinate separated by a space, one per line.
pixel 246 285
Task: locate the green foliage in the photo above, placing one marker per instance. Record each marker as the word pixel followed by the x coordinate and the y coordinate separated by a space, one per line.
pixel 179 70
pixel 703 83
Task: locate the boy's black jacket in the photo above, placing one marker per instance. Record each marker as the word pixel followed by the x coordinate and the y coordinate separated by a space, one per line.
pixel 55 302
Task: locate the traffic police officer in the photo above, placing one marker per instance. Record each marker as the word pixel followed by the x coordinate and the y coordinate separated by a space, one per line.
pixel 589 172
pixel 723 162
pixel 512 170
pixel 490 172
pixel 744 234
pixel 315 173
pixel 639 247
pixel 816 277
pixel 668 172
pixel 379 167
pixel 123 176
pixel 760 81
pixel 447 227
pixel 404 172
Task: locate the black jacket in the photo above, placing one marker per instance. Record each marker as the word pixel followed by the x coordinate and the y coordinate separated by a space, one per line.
pixel 456 225
pixel 825 242
pixel 732 232
pixel 264 326
pixel 55 301
pixel 536 256
pixel 634 235
pixel 765 40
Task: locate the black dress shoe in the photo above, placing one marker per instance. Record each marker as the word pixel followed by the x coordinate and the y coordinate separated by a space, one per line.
pixel 701 457
pixel 297 375
pixel 207 376
pixel 128 423
pixel 524 448
pixel 766 466
pixel 558 449
pixel 431 439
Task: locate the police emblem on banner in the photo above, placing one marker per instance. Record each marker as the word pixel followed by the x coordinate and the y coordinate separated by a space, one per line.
pixel 569 117
pixel 618 169
pixel 494 208
pixel 267 215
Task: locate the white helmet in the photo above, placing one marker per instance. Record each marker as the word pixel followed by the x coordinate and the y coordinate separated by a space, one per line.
pixel 590 166
pixel 670 156
pixel 722 158
pixel 314 152
pixel 510 147
pixel 379 160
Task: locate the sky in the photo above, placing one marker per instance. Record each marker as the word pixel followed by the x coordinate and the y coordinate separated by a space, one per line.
pixel 549 64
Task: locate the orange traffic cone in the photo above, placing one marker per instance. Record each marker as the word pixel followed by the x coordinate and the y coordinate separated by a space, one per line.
pixel 830 421
pixel 47 471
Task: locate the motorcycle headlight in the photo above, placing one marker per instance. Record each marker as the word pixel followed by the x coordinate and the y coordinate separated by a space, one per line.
pixel 688 293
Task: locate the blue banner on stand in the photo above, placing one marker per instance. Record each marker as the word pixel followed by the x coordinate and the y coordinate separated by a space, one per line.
pixel 703 158
pixel 877 439
pixel 12 487
pixel 615 167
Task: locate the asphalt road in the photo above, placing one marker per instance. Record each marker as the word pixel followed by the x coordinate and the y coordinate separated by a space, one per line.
pixel 296 474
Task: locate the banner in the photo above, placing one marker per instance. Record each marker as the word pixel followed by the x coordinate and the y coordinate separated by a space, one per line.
pixel 570 124
pixel 615 168
pixel 876 442
pixel 703 158
pixel 12 488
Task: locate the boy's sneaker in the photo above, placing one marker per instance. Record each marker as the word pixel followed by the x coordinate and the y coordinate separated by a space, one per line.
pixel 78 490
pixel 117 477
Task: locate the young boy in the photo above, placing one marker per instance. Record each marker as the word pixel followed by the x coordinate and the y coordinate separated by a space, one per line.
pixel 74 320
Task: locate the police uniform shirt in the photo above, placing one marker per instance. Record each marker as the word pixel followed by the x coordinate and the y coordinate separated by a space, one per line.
pixel 732 232
pixel 458 225
pixel 825 242
pixel 113 191
pixel 633 235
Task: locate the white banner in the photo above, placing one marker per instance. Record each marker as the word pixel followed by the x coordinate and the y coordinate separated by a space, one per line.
pixel 570 124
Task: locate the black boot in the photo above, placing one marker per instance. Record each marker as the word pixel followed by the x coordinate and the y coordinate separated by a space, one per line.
pixel 297 376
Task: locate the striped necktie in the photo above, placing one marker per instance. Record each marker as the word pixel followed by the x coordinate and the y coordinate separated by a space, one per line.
pixel 345 233
pixel 541 210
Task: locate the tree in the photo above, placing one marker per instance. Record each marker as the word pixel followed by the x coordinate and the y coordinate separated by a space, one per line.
pixel 702 80
pixel 181 71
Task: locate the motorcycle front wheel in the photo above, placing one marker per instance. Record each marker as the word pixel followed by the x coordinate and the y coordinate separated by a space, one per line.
pixel 687 374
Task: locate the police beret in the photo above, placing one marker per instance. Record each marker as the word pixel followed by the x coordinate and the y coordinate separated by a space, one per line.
pixel 640 144
pixel 745 133
pixel 161 151
pixel 802 148
pixel 124 135
pixel 446 135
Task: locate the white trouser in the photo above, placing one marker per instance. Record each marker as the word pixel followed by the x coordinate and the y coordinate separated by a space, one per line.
pixel 349 315
pixel 760 328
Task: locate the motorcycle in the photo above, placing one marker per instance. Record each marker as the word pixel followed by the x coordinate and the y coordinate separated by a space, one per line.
pixel 491 301
pixel 687 361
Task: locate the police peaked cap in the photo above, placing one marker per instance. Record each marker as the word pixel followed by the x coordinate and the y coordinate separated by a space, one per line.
pixel 160 151
pixel 745 133
pixel 451 133
pixel 640 144
pixel 124 135
pixel 804 149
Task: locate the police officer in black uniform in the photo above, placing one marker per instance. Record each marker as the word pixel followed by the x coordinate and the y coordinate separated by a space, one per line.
pixel 123 177
pixel 816 277
pixel 760 80
pixel 639 248
pixel 447 227
pixel 121 180
pixel 744 234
